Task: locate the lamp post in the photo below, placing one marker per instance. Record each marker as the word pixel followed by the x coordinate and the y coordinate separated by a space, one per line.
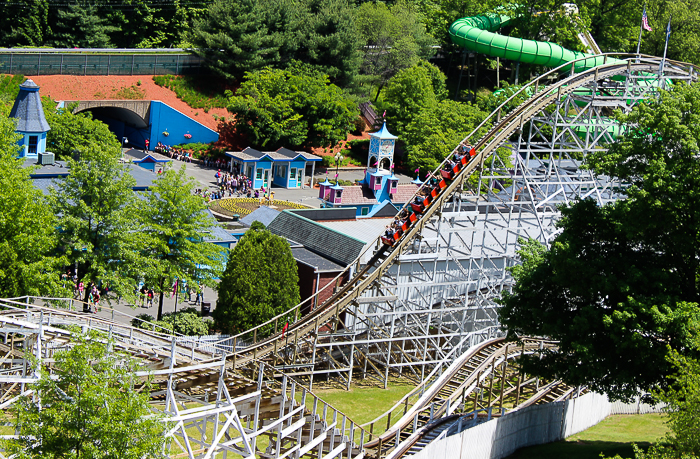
pixel 338 159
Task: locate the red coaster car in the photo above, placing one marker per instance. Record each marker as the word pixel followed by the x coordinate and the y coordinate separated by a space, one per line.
pixel 446 174
pixel 387 241
pixel 412 218
pixel 417 208
pixel 406 225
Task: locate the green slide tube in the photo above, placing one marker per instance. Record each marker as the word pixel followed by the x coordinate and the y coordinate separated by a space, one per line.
pixel 477 33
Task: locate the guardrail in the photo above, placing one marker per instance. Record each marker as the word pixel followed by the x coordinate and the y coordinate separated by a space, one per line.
pixel 99 62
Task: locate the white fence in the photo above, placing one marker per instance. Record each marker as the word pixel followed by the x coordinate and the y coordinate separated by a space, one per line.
pixel 534 425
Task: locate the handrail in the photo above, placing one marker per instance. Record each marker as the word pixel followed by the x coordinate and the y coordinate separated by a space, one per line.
pixel 427 381
pixel 166 338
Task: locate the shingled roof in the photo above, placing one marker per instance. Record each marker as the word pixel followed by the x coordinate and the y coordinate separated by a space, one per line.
pixel 320 239
pixel 27 109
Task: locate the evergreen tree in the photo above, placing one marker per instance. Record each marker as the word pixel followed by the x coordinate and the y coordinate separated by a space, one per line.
pixel 81 25
pixel 173 225
pixel 260 282
pixel 247 35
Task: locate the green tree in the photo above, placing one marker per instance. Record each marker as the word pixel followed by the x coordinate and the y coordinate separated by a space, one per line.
pixel 24 23
pixel 86 405
pixel 260 282
pixel 243 36
pixel 620 283
pixel 70 132
pixel 28 237
pixel 437 129
pixel 292 107
pixel 81 25
pixel 96 208
pixel 395 39
pixel 411 91
pixel 173 225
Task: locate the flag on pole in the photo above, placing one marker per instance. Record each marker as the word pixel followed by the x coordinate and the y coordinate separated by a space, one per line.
pixel 284 330
pixel 384 115
pixel 645 20
pixel 174 289
pixel 418 169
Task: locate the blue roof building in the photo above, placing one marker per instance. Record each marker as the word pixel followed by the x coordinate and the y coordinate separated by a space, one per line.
pixel 284 167
pixel 29 120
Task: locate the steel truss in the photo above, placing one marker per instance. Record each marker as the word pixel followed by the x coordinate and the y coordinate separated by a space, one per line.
pixel 438 298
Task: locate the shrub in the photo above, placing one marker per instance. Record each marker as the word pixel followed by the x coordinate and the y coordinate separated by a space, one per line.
pixel 187 322
pixel 360 125
pixel 190 90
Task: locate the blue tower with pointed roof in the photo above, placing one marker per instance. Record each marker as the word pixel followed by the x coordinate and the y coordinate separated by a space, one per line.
pixel 29 120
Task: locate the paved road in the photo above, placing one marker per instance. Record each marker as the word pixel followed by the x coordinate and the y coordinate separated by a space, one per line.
pixel 124 311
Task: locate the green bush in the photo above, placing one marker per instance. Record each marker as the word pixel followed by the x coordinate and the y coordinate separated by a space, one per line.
pixel 187 322
pixel 329 161
pixel 199 150
pixel 190 90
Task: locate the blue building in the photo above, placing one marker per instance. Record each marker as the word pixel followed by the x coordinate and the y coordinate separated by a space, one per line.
pixel 284 168
pixel 379 193
pixel 30 120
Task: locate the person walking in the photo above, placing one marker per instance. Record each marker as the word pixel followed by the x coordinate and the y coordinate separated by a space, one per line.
pixel 150 294
pixel 147 142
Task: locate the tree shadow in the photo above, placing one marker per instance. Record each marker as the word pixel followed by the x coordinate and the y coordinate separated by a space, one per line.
pixel 580 449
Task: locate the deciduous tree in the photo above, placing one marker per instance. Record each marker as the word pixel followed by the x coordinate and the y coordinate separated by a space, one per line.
pixel 619 286
pixel 260 282
pixel 70 132
pixel 174 224
pixel 28 236
pixel 86 405
pixel 293 107
pixel 97 220
pixel 395 39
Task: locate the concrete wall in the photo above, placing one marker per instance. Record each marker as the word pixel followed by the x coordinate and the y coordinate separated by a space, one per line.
pixel 165 118
pixel 534 425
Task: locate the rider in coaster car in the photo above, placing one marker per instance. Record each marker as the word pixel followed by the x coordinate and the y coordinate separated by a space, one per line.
pixel 449 165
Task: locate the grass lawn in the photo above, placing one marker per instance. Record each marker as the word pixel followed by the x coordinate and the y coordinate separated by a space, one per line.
pixel 612 436
pixel 363 404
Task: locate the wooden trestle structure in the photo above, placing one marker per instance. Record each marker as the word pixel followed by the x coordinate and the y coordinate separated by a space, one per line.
pixel 250 395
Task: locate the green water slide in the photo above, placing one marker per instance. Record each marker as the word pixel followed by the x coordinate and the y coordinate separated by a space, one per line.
pixel 477 33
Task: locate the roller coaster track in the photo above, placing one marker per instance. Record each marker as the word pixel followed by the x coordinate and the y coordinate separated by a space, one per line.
pixel 484 382
pixel 254 393
pixel 303 329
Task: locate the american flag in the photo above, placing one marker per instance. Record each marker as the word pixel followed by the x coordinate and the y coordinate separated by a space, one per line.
pixel 645 21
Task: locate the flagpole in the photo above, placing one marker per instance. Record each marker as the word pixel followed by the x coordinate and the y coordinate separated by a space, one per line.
pixel 663 61
pixel 641 27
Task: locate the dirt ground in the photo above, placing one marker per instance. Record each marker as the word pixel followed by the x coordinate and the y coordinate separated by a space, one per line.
pixel 69 87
